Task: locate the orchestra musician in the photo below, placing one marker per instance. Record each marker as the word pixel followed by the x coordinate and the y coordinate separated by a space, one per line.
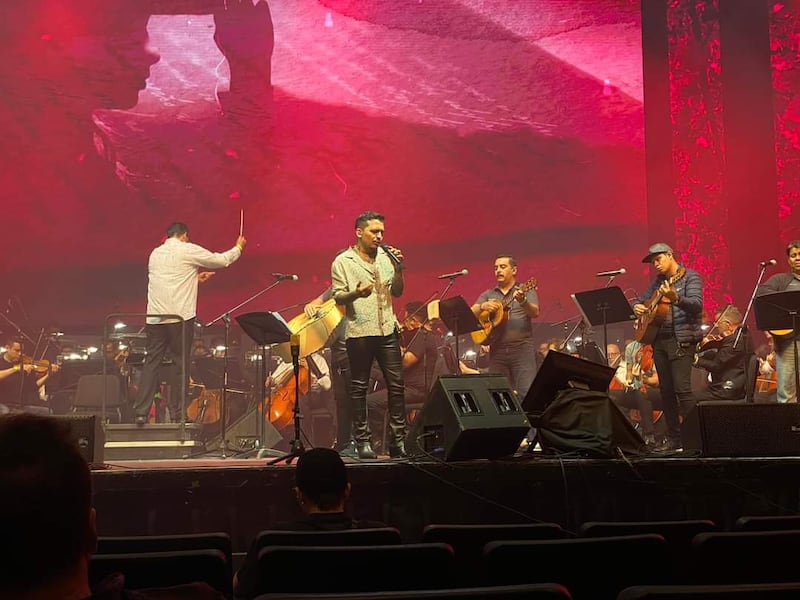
pixel 365 278
pixel 635 386
pixel 785 344
pixel 420 351
pixel 726 364
pixel 22 379
pixel 677 336
pixel 767 381
pixel 512 350
pixel 174 275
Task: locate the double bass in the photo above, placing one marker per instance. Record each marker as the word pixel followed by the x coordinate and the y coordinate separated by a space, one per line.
pixel 313 333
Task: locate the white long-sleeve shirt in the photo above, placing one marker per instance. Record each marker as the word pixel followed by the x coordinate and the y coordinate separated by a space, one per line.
pixel 173 267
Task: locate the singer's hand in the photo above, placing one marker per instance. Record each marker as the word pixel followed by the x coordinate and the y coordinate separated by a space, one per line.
pixel 312 307
pixel 363 292
pixel 241 242
pixel 397 253
pixel 639 309
pixel 205 276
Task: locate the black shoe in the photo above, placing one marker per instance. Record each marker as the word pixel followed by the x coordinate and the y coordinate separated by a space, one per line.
pixel 364 450
pixel 349 451
pixel 140 420
pixel 398 451
pixel 668 446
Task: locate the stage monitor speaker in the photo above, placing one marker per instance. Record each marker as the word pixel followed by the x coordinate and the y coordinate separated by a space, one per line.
pixel 243 434
pixel 730 428
pixel 467 417
pixel 87 432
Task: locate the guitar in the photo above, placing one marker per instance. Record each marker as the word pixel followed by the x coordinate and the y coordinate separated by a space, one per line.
pixel 648 323
pixel 490 322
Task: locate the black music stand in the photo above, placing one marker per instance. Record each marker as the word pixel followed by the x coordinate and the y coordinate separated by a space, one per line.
pixel 459 318
pixel 601 307
pixel 264 328
pixel 778 310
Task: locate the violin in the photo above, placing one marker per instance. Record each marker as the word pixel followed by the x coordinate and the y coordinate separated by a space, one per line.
pixel 710 342
pixel 39 366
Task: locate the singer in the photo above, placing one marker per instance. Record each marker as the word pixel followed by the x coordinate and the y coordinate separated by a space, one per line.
pixel 365 279
pixel 785 344
pixel 512 350
pixel 174 274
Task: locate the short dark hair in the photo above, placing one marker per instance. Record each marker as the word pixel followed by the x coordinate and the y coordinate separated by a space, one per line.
pixel 45 503
pixel 367 216
pixel 417 309
pixel 512 260
pixel 322 477
pixel 792 245
pixel 12 339
pixel 177 228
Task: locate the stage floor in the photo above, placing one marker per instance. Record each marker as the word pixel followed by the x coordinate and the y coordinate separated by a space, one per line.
pixel 243 496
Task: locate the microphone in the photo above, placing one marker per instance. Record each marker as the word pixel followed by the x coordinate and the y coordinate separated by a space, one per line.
pixel 768 263
pixel 284 277
pixel 392 257
pixel 454 275
pixel 612 273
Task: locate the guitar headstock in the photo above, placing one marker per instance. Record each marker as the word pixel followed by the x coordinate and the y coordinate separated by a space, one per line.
pixel 531 284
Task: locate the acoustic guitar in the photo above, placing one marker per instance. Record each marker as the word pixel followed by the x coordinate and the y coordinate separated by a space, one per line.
pixel 648 323
pixel 490 321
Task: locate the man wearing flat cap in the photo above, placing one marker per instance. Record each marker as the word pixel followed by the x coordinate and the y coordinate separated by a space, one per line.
pixel 672 325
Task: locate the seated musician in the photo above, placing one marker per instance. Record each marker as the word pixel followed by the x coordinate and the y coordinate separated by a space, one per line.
pixel 419 348
pixel 767 381
pixel 635 387
pixel 22 380
pixel 726 364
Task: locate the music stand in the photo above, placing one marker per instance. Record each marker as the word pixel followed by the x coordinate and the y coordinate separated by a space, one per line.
pixel 265 329
pixel 778 310
pixel 459 318
pixel 604 306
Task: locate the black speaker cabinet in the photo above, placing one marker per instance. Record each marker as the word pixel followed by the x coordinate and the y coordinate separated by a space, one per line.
pixel 739 429
pixel 466 417
pixel 87 432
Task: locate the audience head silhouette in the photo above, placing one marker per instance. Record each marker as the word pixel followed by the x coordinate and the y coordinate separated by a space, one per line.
pixel 48 521
pixel 321 481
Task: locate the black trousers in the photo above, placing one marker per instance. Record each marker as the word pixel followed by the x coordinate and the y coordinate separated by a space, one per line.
pixel 161 339
pixel 674 367
pixel 386 351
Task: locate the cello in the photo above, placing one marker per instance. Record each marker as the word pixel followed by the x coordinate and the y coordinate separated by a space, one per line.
pixel 281 400
pixel 313 333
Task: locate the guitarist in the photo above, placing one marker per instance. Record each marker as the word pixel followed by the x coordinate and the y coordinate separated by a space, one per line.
pixel 677 338
pixel 512 350
pixel 784 344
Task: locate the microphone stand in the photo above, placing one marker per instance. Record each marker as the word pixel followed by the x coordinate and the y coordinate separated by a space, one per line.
pixel 743 328
pixel 451 283
pixel 604 308
pixel 296 448
pixel 225 317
